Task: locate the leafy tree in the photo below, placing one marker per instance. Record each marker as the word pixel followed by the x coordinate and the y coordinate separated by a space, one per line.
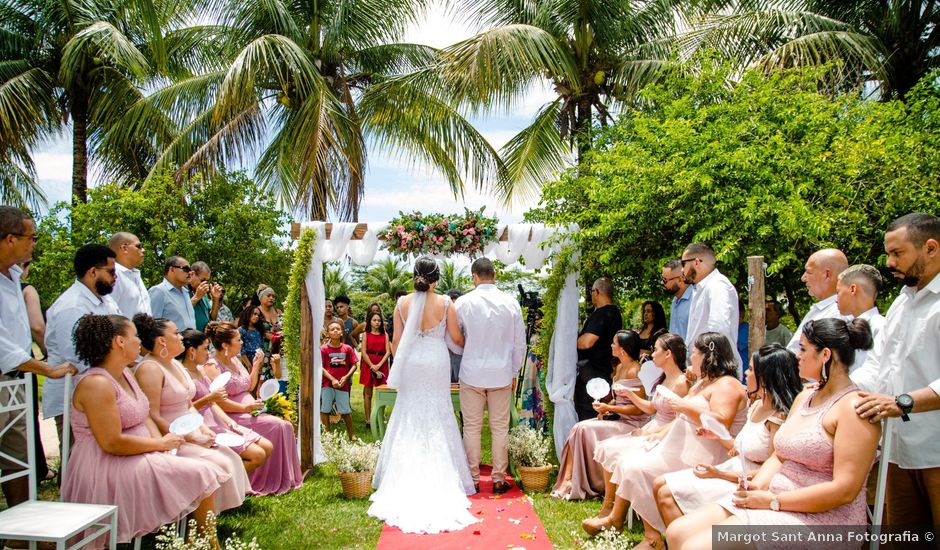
pixel 593 53
pixel 387 277
pixel 81 66
pixel 225 222
pixel 768 167
pixel 299 89
pixel 335 281
pixel 453 277
pixel 894 43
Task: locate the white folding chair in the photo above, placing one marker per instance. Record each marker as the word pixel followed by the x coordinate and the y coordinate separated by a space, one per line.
pixel 42 521
pixel 876 516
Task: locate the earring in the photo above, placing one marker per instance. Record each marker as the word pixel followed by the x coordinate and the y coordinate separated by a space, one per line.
pixel 164 352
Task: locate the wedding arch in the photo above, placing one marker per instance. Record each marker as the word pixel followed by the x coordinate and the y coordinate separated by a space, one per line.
pixel 330 242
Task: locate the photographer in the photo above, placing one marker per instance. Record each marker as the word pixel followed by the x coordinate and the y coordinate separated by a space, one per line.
pixel 594 354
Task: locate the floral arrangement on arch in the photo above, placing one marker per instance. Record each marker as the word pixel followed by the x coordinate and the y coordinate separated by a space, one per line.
pixel 439 234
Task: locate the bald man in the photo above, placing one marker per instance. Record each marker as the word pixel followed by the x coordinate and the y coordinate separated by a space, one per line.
pixel 821 276
pixel 130 292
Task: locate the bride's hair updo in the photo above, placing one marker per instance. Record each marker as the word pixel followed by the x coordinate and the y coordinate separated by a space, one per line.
pixel 426 272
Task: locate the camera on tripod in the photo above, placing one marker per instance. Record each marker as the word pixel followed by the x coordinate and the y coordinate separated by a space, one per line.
pixel 530 300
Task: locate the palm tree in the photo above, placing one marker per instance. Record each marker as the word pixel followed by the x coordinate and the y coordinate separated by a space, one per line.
pixel 453 277
pixel 594 53
pixel 80 65
pixel 387 278
pixel 298 91
pixel 335 282
pixel 893 43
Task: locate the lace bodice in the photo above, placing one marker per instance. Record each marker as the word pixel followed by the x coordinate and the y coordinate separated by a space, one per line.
pixel 803 439
pixel 134 410
pixel 437 330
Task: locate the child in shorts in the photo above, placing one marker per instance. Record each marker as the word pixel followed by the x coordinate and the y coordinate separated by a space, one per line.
pixel 339 364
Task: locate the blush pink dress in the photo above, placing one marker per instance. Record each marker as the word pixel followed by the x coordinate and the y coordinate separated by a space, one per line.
pixel 587 476
pixel 281 471
pixel 150 489
pixel 609 451
pixel 215 422
pixel 692 492
pixel 175 401
pixel 805 449
pixel 680 449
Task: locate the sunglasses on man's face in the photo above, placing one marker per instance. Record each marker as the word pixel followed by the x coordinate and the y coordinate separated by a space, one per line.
pixel 184 268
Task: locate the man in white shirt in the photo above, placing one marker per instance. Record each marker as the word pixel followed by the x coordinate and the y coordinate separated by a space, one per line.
pixel 494 349
pixel 903 368
pixel 715 302
pixel 820 275
pixel 130 293
pixel 95 274
pixel 856 292
pixel 17 234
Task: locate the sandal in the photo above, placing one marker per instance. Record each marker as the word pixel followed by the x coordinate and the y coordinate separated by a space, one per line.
pixel 51 474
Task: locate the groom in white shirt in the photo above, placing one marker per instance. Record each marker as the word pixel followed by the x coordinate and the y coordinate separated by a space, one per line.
pixel 493 351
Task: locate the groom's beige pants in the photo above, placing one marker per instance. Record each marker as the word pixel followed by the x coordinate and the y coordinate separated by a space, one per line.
pixel 497 400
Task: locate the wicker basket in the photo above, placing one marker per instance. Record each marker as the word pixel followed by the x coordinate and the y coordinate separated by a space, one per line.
pixel 356 484
pixel 534 478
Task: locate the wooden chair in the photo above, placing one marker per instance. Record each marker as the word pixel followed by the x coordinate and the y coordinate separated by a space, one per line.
pixel 42 521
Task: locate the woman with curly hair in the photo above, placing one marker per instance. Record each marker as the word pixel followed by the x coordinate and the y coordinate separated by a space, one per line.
pixel 119 453
pixel 281 472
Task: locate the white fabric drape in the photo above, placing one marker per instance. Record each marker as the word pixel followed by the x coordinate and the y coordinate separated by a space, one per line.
pixel 563 353
pixel 563 358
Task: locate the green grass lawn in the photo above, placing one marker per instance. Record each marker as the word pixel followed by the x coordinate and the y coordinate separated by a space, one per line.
pixel 318 516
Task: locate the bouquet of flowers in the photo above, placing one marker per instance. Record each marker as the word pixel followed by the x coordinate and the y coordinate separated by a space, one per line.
pixel 350 456
pixel 282 407
pixel 438 234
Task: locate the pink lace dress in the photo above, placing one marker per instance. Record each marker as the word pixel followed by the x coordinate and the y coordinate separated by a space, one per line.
pixel 680 449
pixel 609 451
pixel 175 401
pixel 150 489
pixel 805 449
pixel 691 492
pixel 215 422
pixel 281 472
pixel 587 476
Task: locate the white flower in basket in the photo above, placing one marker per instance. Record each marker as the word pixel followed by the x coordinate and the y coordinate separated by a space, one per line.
pixel 529 450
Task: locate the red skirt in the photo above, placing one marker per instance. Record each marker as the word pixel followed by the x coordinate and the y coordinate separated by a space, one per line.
pixel 366 376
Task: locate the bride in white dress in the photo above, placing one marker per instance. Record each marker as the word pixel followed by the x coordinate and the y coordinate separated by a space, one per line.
pixel 422 477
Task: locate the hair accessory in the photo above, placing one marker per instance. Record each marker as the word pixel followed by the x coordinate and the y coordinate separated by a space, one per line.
pixel 265 291
pixel 711 346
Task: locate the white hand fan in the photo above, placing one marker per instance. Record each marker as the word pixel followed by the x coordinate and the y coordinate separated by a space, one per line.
pixel 597 388
pixel 229 439
pixel 185 425
pixel 712 424
pixel 268 389
pixel 220 381
pixel 739 445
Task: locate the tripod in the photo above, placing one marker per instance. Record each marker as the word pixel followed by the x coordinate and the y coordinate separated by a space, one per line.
pixel 531 320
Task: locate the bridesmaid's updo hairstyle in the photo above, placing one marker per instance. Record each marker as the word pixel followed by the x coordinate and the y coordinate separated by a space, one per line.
pixel 629 341
pixel 149 329
pixel 777 372
pixel 426 272
pixel 718 357
pixel 192 338
pixel 93 336
pixel 221 332
pixel 842 338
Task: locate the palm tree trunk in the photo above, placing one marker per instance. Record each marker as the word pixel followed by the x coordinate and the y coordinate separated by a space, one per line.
pixel 79 147
pixel 582 129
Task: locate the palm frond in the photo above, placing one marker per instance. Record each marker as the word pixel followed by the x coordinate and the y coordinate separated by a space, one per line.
pixel 100 39
pixel 533 155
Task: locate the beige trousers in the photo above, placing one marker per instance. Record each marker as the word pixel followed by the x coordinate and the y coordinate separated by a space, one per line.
pixel 497 400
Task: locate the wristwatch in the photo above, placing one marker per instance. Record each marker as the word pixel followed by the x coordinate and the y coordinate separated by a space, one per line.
pixel 906 403
pixel 774 504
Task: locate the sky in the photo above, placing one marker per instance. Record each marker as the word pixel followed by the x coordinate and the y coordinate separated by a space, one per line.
pixel 391 183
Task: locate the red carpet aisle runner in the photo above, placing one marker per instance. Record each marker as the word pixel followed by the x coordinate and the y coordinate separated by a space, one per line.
pixel 509 521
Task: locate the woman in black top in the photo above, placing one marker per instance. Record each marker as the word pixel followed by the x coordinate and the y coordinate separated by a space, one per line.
pixel 654 323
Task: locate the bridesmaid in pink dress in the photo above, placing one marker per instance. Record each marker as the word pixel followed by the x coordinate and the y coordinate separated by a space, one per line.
pixel 256 449
pixel 281 473
pixel 669 355
pixel 118 454
pixel 719 393
pixel 580 476
pixel 805 482
pixel 170 391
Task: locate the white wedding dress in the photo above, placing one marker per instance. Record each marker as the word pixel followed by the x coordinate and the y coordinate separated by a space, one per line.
pixel 422 477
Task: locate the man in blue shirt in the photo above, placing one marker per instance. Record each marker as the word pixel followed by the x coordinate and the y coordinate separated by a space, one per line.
pixel 674 283
pixel 170 299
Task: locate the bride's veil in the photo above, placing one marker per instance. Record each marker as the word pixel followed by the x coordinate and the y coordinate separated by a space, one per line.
pixel 408 339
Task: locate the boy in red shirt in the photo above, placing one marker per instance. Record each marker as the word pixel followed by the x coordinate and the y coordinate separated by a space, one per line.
pixel 339 364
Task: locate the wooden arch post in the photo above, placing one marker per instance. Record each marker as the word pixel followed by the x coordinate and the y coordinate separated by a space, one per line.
pixel 756 298
pixel 307 350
